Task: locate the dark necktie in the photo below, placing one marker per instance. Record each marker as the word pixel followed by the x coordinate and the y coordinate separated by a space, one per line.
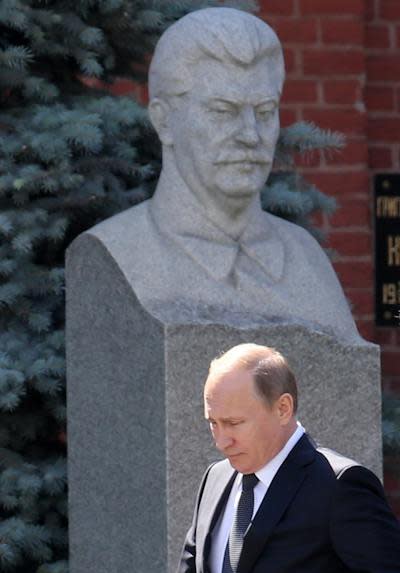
pixel 243 515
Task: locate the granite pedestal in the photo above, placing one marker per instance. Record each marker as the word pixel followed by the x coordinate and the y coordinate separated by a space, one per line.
pixel 138 443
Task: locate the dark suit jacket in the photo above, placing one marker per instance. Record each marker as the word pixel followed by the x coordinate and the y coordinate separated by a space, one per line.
pixel 322 513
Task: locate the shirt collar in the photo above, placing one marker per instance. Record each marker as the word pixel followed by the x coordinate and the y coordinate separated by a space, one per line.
pixel 267 473
pixel 180 216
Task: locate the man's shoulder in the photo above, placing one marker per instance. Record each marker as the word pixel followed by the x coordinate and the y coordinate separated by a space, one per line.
pixel 220 469
pixel 292 232
pixel 124 224
pixel 338 462
pixel 347 469
pixel 335 471
pixel 126 236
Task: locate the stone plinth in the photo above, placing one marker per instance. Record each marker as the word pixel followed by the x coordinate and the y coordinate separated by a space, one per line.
pixel 138 443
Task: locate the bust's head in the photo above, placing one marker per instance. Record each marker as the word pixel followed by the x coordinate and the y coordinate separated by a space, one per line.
pixel 215 83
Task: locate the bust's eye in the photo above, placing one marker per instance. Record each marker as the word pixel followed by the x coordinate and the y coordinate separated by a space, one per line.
pixel 223 110
pixel 264 112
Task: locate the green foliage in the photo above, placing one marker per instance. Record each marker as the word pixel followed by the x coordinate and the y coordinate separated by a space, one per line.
pixel 70 155
pixel 288 194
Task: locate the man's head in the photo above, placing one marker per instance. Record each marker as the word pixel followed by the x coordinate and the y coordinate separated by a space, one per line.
pixel 215 83
pixel 250 401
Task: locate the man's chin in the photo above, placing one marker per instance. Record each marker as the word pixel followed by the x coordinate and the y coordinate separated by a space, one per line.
pixel 237 462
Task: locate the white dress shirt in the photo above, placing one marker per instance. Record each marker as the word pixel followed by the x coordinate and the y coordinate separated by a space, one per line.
pixel 265 475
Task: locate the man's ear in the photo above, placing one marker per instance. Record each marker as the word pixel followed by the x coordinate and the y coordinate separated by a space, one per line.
pixel 285 407
pixel 160 117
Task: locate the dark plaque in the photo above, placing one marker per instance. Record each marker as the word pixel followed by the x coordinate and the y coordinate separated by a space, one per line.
pixel 387 250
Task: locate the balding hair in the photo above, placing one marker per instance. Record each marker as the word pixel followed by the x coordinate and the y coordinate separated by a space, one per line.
pixel 271 372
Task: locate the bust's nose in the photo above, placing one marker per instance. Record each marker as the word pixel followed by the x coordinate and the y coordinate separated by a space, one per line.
pixel 248 129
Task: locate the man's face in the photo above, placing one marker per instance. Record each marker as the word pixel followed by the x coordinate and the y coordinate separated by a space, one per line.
pixel 245 429
pixel 224 131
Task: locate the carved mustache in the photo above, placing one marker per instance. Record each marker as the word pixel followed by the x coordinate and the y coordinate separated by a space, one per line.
pixel 243 159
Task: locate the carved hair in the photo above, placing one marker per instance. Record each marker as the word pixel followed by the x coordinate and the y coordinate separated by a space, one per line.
pixel 225 34
pixel 271 372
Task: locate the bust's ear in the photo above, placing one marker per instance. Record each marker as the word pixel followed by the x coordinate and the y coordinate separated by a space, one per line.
pixel 160 117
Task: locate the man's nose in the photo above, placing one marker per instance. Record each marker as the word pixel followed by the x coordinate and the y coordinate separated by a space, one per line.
pixel 248 131
pixel 223 441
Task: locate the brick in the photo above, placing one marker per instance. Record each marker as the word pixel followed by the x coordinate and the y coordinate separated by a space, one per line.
pixel 390 9
pixel 296 91
pixel 379 98
pixel 318 220
pixel 355 152
pixel 346 121
pixel 290 30
pixel 123 87
pixel 383 68
pixel 393 384
pixel 350 244
pixel 384 129
pixel 352 213
pixel 61 437
pixel 144 95
pixel 281 7
pixel 384 336
pixel 333 62
pixel 365 328
pixel 332 7
pixel 391 363
pixel 339 31
pixel 370 8
pixel 341 184
pixel 398 99
pixel 354 273
pixel 392 481
pixel 290 60
pixel 287 117
pixel 377 37
pixel 380 158
pixel 362 302
pixel 342 91
pixel 398 36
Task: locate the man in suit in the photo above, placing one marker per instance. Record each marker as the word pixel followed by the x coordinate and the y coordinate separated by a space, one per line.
pixel 277 503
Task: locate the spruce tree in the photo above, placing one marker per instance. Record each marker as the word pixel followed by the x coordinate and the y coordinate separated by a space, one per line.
pixel 72 154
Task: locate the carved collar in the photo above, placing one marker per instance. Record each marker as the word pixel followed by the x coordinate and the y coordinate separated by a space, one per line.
pixel 183 219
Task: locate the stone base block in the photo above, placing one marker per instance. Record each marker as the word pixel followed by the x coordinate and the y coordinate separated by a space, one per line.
pixel 138 442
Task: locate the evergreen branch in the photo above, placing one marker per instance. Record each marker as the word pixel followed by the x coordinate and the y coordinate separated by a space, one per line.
pixel 16 58
pixel 306 136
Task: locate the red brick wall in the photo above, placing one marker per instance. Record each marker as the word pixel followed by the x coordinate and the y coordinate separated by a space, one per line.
pixel 382 98
pixel 383 103
pixel 343 72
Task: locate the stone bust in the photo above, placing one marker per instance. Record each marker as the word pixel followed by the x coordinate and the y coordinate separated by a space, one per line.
pixel 202 249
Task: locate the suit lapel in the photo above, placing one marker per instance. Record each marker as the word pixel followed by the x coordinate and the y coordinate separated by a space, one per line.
pixel 216 493
pixel 279 495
